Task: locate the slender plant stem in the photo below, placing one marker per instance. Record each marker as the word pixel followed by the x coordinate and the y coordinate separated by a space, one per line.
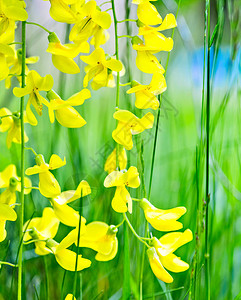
pixel 36 24
pixel 118 74
pixel 77 252
pixel 8 264
pixel 207 259
pixel 21 217
pixel 46 276
pixel 127 20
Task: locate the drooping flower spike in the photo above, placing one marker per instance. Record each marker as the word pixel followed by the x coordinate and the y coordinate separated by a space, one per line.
pixel 6 214
pixel 12 183
pixel 146 94
pixel 48 185
pixel 160 219
pixel 161 254
pixel 65 114
pixel 34 84
pixel 11 122
pixel 128 125
pixel 67 258
pixel 122 200
pixel 99 68
pixel 40 229
pixel 63 55
pixel 110 164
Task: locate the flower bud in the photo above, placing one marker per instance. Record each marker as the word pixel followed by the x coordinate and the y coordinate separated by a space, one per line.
pixel 52 37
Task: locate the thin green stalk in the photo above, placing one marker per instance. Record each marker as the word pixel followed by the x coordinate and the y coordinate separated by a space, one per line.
pixel 118 74
pixel 207 259
pixel 46 277
pixel 21 217
pixel 36 24
pixel 77 252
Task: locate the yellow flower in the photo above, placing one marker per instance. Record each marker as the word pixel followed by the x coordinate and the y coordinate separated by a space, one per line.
pixel 12 183
pixel 110 164
pixel 147 13
pixel 156 41
pixel 146 94
pixel 128 125
pixel 122 200
pixel 61 12
pixel 41 228
pixel 89 15
pixel 160 219
pixel 98 236
pixel 99 68
pixel 145 60
pixel 100 36
pixel 161 254
pixel 67 258
pixel 34 84
pixel 10 11
pixel 15 65
pixel 6 213
pixel 11 122
pixel 5 52
pixel 48 185
pixel 66 214
pixel 66 115
pixel 70 297
pixel 62 55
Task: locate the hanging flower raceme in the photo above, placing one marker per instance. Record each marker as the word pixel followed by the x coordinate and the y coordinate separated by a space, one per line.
pixel 48 185
pixel 34 84
pixel 15 66
pixel 6 214
pixel 40 229
pixel 12 183
pixel 11 122
pixel 122 200
pixel 160 219
pixel 146 94
pixel 65 114
pixel 89 16
pixel 145 60
pixel 110 164
pixel 6 52
pixel 128 125
pixel 10 11
pixel 161 255
pixel 63 55
pixel 100 68
pixel 67 258
pixel 155 40
pixel 66 214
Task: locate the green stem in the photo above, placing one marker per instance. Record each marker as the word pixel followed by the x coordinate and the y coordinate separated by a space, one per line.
pixel 125 35
pixel 21 217
pixel 118 75
pixel 134 232
pixel 31 149
pixel 207 259
pixel 46 277
pixel 77 252
pixel 36 24
pixel 127 20
pixel 8 264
